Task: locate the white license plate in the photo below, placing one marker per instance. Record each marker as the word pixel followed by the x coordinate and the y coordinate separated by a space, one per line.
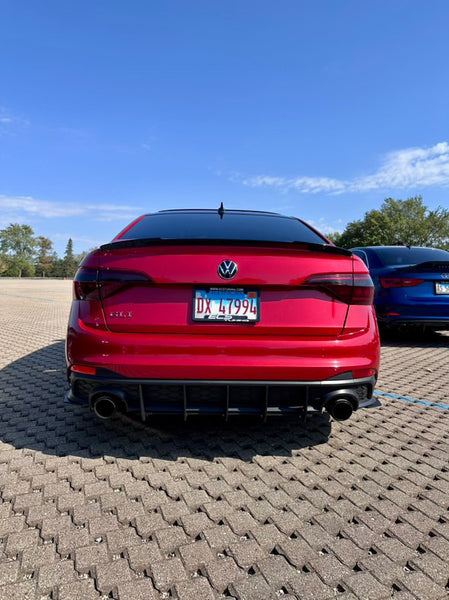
pixel 231 305
pixel 442 288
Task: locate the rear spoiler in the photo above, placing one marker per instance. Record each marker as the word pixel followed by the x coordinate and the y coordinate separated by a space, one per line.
pixel 143 243
pixel 442 266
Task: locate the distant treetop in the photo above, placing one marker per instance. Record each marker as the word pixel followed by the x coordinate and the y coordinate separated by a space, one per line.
pixel 403 222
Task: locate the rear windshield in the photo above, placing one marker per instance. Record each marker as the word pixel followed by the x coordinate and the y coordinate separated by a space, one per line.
pixel 233 226
pixel 410 256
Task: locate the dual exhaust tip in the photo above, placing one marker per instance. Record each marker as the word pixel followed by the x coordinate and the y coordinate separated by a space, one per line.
pixel 105 406
pixel 339 404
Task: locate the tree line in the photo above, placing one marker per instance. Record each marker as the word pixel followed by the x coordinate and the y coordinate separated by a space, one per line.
pixel 22 254
pixel 397 222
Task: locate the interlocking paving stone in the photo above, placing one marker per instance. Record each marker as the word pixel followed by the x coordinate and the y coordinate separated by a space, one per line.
pixel 39 556
pixel 110 575
pixel 53 575
pixel 9 572
pixel 143 556
pixel 89 557
pixel 25 590
pixel 204 509
pixel 167 572
pixel 311 587
pixel 364 585
pixel 78 590
pixel 222 572
pixel 194 589
pixel 195 555
pixel 137 590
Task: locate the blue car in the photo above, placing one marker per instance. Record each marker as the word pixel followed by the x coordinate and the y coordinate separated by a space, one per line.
pixel 411 283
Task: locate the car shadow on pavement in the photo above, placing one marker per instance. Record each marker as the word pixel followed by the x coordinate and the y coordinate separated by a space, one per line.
pixel 33 416
pixel 414 336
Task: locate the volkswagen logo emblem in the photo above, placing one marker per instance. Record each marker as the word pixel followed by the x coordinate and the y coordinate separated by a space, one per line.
pixel 227 269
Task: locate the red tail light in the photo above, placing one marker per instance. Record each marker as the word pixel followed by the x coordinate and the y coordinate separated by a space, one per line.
pixel 85 285
pixel 113 282
pixel 398 282
pixel 93 284
pixel 346 287
pixel 84 370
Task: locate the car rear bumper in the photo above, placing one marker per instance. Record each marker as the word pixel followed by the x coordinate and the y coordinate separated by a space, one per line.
pixel 220 397
pixel 410 319
pixel 224 357
pixel 223 374
pixel 433 314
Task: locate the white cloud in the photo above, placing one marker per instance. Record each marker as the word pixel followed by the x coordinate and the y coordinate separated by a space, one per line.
pixel 9 120
pixel 26 205
pixel 402 169
pixel 83 241
pixel 325 227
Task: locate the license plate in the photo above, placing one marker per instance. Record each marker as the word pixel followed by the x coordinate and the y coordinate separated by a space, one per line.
pixel 442 288
pixel 230 305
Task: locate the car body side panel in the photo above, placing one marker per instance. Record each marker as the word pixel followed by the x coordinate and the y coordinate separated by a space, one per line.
pixel 418 304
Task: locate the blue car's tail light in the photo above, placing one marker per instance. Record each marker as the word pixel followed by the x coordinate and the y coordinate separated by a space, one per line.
pixel 399 282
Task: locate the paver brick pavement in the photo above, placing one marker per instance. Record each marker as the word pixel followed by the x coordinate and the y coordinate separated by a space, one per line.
pixel 207 510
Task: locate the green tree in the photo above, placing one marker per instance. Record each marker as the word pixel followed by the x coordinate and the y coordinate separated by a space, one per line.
pixel 70 263
pixel 57 268
pixel 46 256
pixel 17 244
pixel 407 222
pixel 3 264
pixel 79 257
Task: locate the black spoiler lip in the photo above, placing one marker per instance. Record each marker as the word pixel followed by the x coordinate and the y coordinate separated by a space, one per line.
pixel 430 265
pixel 142 243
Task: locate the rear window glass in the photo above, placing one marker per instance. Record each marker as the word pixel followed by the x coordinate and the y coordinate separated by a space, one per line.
pixel 233 226
pixel 410 256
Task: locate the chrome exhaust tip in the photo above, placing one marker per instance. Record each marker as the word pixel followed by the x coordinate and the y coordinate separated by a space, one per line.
pixel 104 406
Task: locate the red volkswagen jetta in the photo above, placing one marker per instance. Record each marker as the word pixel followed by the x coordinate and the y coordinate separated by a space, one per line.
pixel 226 312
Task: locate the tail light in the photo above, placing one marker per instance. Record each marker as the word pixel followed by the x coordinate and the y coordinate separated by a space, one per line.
pixel 112 282
pixel 399 282
pixel 346 287
pixel 93 284
pixel 84 370
pixel 85 286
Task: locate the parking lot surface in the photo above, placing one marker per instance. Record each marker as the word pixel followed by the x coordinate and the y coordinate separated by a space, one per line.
pixel 209 510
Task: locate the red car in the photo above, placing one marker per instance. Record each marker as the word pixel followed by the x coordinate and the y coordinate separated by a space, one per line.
pixel 222 312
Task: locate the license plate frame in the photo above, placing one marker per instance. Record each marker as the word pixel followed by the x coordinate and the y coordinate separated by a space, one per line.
pixel 442 288
pixel 211 297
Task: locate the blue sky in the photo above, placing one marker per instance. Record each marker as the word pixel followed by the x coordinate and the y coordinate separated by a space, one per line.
pixel 319 109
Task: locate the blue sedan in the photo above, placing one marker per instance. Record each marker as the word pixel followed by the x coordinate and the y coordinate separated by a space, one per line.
pixel 412 284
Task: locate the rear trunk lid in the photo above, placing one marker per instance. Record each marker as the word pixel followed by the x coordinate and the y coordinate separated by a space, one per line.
pixel 426 283
pixel 162 301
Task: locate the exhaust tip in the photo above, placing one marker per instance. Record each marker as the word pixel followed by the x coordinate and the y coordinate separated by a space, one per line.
pixel 340 409
pixel 104 407
pixel 341 404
